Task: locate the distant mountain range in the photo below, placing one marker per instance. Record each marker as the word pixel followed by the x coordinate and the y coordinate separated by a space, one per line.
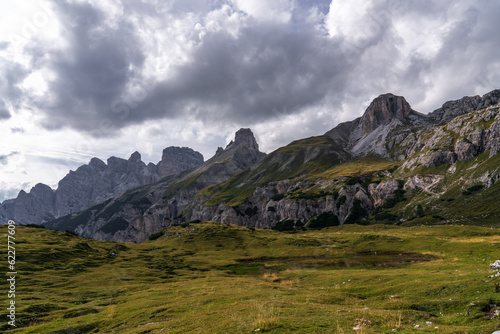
pixel 393 165
pixel 93 184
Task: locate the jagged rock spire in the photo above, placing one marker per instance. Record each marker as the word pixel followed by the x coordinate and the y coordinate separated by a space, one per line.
pixel 383 109
pixel 244 137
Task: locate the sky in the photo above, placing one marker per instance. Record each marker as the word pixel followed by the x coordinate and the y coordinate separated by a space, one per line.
pixel 100 78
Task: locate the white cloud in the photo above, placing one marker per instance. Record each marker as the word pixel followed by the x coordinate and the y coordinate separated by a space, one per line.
pixel 279 11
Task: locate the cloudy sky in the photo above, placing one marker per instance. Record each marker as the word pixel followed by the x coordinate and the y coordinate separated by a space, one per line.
pixel 85 78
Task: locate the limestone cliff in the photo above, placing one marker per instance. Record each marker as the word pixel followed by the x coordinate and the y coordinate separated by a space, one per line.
pixel 93 184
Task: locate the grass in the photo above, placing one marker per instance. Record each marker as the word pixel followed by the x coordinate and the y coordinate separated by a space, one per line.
pixel 308 156
pixel 363 166
pixel 217 278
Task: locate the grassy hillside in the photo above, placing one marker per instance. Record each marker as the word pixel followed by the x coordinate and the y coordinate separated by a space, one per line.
pixel 216 278
pixel 300 158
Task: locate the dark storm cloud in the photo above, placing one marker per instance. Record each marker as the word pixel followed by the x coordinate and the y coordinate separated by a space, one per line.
pixel 247 77
pixel 244 78
pixel 93 71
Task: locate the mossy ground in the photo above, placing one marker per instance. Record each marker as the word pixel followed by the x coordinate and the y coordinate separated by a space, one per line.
pixel 217 278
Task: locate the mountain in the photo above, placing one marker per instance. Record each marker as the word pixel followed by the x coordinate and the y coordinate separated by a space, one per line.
pixel 135 214
pixel 93 184
pixel 392 165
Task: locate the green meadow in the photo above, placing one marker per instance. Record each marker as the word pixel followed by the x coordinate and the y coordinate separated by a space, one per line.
pixel 218 278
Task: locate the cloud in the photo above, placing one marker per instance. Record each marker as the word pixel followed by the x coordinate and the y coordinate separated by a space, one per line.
pixel 17 130
pixel 5 157
pixel 242 63
pixel 220 67
pixel 270 11
pixel 4 113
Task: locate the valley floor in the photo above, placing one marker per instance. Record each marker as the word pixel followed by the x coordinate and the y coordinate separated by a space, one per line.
pixel 217 278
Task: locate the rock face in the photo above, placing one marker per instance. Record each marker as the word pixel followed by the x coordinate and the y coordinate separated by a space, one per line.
pixel 94 183
pixel 167 200
pixel 452 109
pixel 176 159
pixel 244 137
pixel 384 109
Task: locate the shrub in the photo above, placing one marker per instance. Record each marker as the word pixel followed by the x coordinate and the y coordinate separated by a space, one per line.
pixel 472 189
pixel 419 211
pixel 251 211
pixel 399 196
pixel 341 200
pixel 323 220
pixel 271 209
pixel 357 213
pixel 278 197
pixel 284 225
pixel 385 216
pixel 156 235
pixel 353 180
pixel 34 225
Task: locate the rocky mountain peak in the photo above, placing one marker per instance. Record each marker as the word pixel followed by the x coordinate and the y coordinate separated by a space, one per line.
pixel 135 157
pixel 455 108
pixel 489 99
pixel 177 159
pixel 382 110
pixel 244 137
pixel 97 164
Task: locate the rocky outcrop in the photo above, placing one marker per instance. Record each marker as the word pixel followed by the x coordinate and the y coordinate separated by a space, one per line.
pixel 452 109
pixel 176 159
pixel 141 211
pixel 93 184
pixel 380 192
pixel 244 137
pixel 382 110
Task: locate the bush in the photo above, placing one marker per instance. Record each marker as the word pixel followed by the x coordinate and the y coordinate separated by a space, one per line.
pixel 357 213
pixel 399 196
pixel 472 189
pixel 284 225
pixel 34 225
pixel 419 211
pixel 156 235
pixel 341 200
pixel 385 216
pixel 195 221
pixel 251 211
pixel 323 220
pixel 278 197
pixel 351 181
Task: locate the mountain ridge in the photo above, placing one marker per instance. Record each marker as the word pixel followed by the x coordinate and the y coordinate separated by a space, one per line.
pixel 392 164
pixel 94 183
